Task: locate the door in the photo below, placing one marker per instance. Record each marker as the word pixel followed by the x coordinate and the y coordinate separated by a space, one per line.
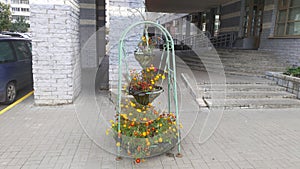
pixel 253 21
pixel 24 63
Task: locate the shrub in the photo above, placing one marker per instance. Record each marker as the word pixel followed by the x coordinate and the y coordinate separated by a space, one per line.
pixel 293 71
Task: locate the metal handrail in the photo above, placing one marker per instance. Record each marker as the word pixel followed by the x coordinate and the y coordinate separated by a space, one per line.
pixel 198 41
pixel 225 40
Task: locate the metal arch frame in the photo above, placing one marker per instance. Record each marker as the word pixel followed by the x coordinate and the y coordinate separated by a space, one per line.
pixel 171 74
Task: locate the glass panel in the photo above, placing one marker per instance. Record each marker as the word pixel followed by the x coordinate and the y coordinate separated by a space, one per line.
pixel 295 3
pixel 6 53
pixel 280 30
pixel 293 28
pixel 283 3
pixel 21 50
pixel 282 16
pixel 294 14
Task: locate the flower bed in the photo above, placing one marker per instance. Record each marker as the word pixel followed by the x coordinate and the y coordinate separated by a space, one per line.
pixel 144 132
pixel 291 83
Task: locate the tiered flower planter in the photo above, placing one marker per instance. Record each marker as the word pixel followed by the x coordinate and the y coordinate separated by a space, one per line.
pixel 141 129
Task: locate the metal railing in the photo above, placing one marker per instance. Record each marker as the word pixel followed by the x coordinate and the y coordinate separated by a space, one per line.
pixel 225 40
pixel 201 40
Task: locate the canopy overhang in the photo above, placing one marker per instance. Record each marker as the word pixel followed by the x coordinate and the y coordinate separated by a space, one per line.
pixel 182 6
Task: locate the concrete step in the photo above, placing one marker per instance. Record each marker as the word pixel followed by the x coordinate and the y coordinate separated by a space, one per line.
pixel 250 95
pixel 253 103
pixel 240 87
pixel 234 61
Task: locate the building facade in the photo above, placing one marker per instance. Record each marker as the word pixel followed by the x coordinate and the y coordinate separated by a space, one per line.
pixel 272 25
pixel 19 8
pixel 62 28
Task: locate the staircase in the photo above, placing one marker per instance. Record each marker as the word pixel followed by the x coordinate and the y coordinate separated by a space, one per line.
pixel 248 95
pixel 245 85
pixel 239 62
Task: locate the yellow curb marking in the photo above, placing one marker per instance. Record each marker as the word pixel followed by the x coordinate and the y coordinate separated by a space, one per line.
pixel 16 102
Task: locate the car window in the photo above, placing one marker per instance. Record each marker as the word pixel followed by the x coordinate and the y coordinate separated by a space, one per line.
pixel 22 50
pixel 6 52
pixel 29 45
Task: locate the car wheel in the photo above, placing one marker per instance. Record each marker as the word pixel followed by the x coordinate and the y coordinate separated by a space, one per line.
pixel 11 93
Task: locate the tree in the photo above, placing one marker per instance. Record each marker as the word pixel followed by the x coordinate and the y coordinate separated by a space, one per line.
pixel 5 22
pixel 20 25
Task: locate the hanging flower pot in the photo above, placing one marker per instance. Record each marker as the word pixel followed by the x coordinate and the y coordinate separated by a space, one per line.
pixel 146 97
pixel 144 59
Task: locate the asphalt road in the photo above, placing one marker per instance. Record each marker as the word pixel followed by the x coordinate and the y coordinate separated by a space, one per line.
pixel 20 94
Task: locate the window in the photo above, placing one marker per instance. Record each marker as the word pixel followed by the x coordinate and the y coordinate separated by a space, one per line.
pixel 24 1
pixel 6 53
pixel 288 18
pixel 15 2
pixel 15 9
pixel 21 50
pixel 25 9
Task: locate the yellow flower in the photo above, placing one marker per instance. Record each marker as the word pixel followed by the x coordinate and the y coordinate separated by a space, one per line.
pixel 160 140
pixel 174 129
pixel 111 121
pixel 148 143
pixel 134 119
pixel 144 134
pixel 132 104
pixel 124 116
pixel 126 106
pixel 153 82
pixel 160 125
pixel 150 87
pixel 163 76
pixel 118 144
pixel 139 110
pixel 148 70
pixel 130 114
pixel 124 126
pixel 113 125
pixel 145 119
pixel 144 38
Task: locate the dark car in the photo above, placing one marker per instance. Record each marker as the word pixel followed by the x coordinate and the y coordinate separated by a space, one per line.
pixel 15 66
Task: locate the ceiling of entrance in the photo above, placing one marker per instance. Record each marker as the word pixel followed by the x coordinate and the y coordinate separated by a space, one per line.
pixel 182 6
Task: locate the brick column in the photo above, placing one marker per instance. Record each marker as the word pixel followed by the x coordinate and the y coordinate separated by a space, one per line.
pixel 56 52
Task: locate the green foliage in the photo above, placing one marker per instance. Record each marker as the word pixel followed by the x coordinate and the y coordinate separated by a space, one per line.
pixel 293 72
pixel 5 22
pixel 20 25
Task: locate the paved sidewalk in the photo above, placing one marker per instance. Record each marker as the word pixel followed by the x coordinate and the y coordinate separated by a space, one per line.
pixel 52 137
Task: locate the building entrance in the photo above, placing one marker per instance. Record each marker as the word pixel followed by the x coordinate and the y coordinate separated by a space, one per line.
pixel 253 23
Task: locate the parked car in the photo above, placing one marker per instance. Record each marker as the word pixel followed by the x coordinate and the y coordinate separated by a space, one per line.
pixel 15 66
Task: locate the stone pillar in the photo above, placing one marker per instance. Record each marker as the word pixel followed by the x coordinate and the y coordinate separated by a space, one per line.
pixel 56 53
pixel 188 26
